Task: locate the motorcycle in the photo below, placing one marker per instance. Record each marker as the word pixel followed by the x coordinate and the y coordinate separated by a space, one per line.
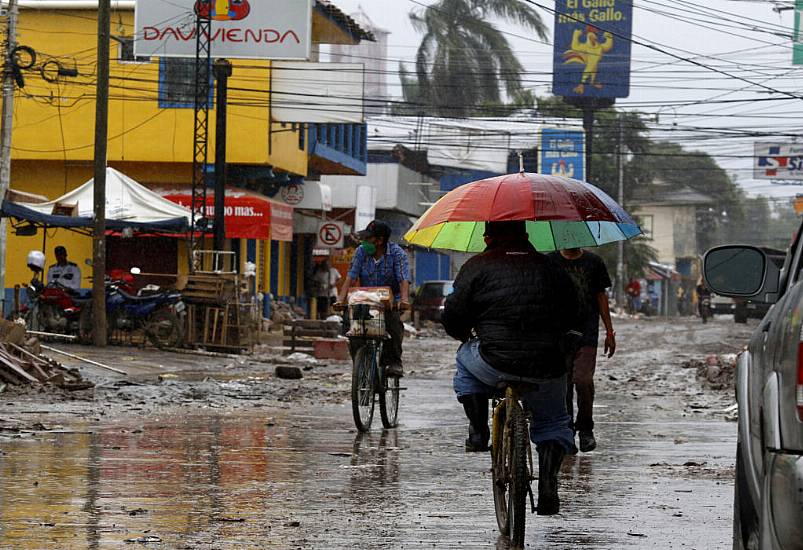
pixel 705 309
pixel 53 307
pixel 159 314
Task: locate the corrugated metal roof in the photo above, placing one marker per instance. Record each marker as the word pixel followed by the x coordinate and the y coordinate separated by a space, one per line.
pixel 343 19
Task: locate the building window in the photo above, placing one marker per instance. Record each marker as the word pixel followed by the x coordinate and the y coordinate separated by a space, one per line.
pixel 125 51
pixel 177 83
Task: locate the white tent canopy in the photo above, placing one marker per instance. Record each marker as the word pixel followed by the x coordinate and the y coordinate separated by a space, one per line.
pixel 128 203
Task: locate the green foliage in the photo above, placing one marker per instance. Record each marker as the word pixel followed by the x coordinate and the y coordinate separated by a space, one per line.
pixel 464 63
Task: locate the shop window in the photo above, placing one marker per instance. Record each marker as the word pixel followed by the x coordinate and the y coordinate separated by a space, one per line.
pixel 177 83
pixel 125 52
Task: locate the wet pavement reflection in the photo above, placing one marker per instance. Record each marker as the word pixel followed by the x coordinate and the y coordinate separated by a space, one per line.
pixel 309 481
pixel 301 477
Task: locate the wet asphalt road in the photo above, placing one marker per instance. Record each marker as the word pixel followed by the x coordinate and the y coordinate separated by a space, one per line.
pixel 300 477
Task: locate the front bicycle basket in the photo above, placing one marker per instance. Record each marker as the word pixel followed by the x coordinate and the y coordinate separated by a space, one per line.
pixel 366 321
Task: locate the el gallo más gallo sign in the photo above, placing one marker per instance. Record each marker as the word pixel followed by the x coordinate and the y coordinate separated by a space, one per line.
pixel 561 152
pixel 241 29
pixel 592 48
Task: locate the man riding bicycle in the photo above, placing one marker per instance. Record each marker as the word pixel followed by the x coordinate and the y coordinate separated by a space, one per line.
pixel 512 308
pixel 379 262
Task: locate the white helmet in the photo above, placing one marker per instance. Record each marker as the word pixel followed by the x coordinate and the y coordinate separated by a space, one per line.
pixel 36 261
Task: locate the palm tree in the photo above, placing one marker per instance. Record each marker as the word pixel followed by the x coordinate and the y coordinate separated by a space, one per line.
pixel 464 62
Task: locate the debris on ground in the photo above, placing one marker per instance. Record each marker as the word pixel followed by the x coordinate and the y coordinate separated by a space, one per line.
pixel 288 373
pixel 22 364
pixel 716 372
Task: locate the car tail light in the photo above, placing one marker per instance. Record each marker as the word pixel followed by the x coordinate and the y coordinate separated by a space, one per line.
pixel 799 386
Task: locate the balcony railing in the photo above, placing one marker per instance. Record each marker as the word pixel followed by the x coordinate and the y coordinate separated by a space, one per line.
pixel 338 149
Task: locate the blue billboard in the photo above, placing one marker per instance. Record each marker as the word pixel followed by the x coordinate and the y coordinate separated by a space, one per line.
pixel 592 48
pixel 561 152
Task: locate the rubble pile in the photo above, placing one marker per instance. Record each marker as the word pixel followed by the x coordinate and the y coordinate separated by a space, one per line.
pixel 22 364
pixel 716 372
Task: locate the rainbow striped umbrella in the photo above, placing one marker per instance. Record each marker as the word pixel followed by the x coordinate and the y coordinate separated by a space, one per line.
pixel 560 212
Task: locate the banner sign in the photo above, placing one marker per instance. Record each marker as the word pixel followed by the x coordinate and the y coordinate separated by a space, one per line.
pixel 592 48
pixel 797 57
pixel 778 161
pixel 241 29
pixel 561 152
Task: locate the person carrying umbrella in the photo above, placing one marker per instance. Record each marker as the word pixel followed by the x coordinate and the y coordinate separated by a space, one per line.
pixel 511 304
pixel 511 308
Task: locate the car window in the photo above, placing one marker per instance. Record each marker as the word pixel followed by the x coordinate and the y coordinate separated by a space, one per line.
pixel 435 290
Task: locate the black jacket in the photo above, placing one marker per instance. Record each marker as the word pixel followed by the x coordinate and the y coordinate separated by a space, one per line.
pixel 520 304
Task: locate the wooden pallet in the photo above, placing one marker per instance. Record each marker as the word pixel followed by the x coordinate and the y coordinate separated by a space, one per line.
pixel 217 289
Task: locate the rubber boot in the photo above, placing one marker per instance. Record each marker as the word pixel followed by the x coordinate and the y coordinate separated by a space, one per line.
pixel 550 458
pixel 476 408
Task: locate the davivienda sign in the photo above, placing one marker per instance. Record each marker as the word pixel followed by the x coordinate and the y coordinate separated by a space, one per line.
pixel 241 29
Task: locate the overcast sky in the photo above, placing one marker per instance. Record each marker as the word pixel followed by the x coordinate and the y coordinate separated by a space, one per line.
pixel 716 33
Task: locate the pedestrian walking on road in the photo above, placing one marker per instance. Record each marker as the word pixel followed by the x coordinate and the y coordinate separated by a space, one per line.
pixel 591 280
pixel 512 308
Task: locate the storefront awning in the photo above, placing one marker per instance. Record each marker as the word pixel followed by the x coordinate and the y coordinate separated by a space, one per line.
pixel 249 215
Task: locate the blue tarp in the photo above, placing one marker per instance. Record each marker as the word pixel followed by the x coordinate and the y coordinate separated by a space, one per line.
pixel 20 212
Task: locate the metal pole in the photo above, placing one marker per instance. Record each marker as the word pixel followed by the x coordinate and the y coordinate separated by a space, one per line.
pixel 101 136
pixel 5 137
pixel 620 263
pixel 222 73
pixel 588 125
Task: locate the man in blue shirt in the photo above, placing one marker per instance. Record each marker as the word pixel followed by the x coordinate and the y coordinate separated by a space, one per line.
pixel 379 262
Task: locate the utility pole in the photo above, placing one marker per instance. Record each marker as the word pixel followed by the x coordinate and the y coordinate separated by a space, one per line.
pixel 620 263
pixel 5 137
pixel 223 71
pixel 101 137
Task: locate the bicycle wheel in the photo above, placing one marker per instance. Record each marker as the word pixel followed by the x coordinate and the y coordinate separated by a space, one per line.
pixel 362 388
pixel 499 469
pixel 519 479
pixel 389 402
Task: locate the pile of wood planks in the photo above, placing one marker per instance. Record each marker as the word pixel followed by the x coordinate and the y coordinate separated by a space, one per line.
pixel 21 362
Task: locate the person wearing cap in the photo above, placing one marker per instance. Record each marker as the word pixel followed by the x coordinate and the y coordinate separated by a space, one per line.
pixel 379 262
pixel 514 310
pixel 64 273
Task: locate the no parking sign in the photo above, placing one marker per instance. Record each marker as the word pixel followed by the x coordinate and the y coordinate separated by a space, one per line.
pixel 331 235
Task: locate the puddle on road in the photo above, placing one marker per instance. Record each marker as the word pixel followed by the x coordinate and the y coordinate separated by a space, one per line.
pixel 247 481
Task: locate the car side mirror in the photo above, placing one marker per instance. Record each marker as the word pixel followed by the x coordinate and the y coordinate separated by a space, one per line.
pixel 741 271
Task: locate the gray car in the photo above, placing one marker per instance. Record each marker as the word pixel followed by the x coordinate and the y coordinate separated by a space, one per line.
pixel 768 499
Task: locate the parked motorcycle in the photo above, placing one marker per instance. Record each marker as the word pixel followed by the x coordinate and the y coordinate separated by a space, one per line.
pixel 159 314
pixel 53 307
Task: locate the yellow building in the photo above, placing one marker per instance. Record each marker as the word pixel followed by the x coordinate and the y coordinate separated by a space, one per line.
pixel 151 119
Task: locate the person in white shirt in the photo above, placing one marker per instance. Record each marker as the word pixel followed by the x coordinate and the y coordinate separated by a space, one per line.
pixel 326 278
pixel 63 272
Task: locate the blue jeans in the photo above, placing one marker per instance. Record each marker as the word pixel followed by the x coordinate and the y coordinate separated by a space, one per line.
pixel 547 404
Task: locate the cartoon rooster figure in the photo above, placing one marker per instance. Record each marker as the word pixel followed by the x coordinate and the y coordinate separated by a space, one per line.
pixel 223 10
pixel 588 53
pixel 561 169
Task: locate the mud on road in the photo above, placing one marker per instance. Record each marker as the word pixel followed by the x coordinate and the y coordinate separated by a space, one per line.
pixel 200 452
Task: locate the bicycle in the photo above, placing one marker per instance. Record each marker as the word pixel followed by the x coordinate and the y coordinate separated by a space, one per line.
pixel 366 328
pixel 512 462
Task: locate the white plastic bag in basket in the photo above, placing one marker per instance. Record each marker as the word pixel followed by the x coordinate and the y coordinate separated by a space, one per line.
pixel 365 297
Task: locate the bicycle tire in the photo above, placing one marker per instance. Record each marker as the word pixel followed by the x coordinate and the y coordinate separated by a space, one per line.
pixel 389 402
pixel 517 496
pixel 362 388
pixel 499 467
